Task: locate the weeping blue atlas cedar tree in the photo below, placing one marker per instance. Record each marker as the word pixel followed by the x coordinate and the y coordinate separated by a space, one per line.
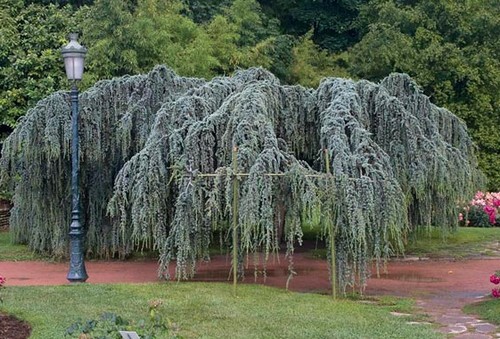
pixel 366 163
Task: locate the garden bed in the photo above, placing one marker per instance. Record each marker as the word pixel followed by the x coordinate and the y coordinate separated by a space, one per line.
pixel 13 328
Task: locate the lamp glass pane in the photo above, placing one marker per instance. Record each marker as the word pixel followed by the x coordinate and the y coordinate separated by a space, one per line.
pixel 78 68
pixel 74 67
pixel 69 65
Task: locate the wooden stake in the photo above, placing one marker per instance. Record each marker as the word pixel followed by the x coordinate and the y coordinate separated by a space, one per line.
pixel 333 267
pixel 235 218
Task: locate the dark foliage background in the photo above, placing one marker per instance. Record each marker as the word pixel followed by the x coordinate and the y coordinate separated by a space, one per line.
pixel 451 48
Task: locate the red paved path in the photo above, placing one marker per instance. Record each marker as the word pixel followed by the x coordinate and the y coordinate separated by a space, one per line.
pixel 411 278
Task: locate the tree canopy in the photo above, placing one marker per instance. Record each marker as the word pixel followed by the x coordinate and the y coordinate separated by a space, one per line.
pixel 364 162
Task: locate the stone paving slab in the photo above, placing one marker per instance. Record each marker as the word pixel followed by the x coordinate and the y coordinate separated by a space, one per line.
pixel 484 328
pixel 473 336
pixel 454 329
pixel 454 323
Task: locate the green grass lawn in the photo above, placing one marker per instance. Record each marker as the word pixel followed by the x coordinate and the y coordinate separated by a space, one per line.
pixel 488 310
pixel 466 242
pixel 11 252
pixel 209 310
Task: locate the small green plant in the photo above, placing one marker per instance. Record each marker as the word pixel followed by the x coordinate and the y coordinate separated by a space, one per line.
pixel 108 325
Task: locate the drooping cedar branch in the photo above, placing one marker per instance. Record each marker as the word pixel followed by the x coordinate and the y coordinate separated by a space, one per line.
pixel 397 162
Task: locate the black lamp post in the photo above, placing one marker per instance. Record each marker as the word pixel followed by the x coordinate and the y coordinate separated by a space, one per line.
pixel 74 56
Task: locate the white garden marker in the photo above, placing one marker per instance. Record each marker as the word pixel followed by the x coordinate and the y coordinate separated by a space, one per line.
pixel 129 335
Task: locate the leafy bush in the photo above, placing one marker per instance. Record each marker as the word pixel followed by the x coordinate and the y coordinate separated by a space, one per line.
pixel 108 325
pixel 477 217
pixel 482 211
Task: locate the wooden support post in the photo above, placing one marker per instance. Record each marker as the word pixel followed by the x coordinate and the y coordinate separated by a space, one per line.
pixel 333 266
pixel 235 218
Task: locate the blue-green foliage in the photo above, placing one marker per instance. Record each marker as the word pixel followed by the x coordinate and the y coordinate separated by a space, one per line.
pixel 395 162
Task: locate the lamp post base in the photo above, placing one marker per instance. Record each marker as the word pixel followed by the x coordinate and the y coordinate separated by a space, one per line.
pixel 77 271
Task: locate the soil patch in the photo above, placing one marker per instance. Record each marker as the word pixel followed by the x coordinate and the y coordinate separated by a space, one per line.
pixel 13 328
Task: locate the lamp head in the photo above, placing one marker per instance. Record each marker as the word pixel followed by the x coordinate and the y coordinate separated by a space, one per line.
pixel 74 57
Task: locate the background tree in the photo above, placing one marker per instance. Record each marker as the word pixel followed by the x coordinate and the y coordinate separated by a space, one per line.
pixel 332 21
pixel 202 11
pixel 451 48
pixel 106 29
pixel 30 58
pixel 126 39
pixel 310 63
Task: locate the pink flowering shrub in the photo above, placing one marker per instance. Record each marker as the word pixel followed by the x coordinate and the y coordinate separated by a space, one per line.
pixel 2 283
pixel 495 279
pixel 482 211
